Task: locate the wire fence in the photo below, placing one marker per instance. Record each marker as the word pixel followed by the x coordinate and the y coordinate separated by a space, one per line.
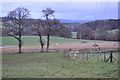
pixel 88 54
pixel 94 55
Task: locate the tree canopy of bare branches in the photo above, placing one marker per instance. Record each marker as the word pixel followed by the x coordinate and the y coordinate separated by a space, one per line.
pixel 48 14
pixel 15 23
pixel 37 27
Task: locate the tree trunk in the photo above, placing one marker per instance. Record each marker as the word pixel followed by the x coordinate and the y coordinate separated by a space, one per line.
pixel 20 40
pixel 48 39
pixel 20 45
pixel 41 42
pixel 42 48
pixel 48 34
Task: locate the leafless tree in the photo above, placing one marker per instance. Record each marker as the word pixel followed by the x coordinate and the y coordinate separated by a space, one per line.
pixel 15 24
pixel 84 32
pixel 37 27
pixel 51 25
pixel 48 14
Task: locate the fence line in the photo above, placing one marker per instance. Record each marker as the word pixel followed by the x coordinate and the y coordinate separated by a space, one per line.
pixel 105 54
pixel 98 55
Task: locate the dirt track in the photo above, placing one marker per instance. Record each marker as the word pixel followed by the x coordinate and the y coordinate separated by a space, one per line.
pixel 63 46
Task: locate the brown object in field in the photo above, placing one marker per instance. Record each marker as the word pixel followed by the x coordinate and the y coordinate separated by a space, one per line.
pixel 95 45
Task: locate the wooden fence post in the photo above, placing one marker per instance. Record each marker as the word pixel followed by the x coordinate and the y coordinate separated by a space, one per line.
pixel 83 56
pixel 104 57
pixel 93 55
pixel 98 56
pixel 87 56
pixel 111 56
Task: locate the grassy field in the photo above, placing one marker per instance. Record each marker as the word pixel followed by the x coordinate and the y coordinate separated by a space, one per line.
pixel 30 40
pixel 54 65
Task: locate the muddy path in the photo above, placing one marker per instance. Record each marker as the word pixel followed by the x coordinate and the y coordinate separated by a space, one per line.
pixel 61 47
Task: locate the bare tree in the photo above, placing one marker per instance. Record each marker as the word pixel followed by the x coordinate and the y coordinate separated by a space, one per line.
pixel 51 25
pixel 48 14
pixel 63 31
pixel 15 23
pixel 84 32
pixel 37 27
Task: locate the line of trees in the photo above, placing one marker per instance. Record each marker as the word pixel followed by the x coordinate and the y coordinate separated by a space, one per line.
pixel 103 29
pixel 17 23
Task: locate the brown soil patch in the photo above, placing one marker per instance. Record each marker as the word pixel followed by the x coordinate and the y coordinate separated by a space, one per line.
pixel 63 46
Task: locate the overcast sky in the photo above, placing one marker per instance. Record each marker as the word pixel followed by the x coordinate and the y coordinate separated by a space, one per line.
pixel 67 10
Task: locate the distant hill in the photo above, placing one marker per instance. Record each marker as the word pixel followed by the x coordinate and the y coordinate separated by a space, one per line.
pixel 81 21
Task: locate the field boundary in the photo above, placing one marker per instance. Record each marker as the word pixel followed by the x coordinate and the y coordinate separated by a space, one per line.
pixel 86 54
pixel 58 50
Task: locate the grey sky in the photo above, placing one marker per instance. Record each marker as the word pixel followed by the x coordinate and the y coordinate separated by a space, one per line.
pixel 68 10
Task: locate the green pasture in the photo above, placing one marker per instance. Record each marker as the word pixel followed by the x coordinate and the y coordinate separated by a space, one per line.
pixel 113 31
pixel 54 65
pixel 29 40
